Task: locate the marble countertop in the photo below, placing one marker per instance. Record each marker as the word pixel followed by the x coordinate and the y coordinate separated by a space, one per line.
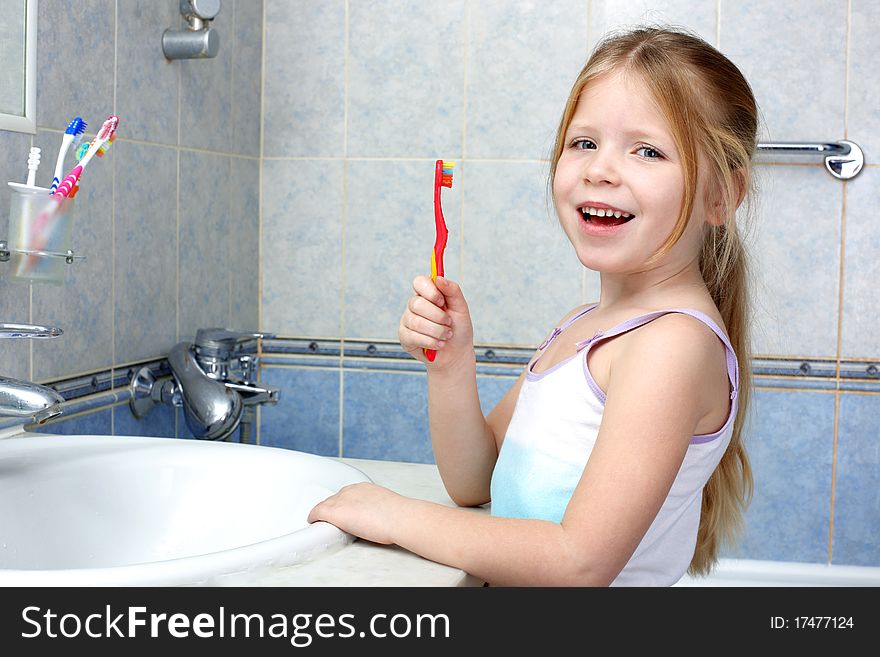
pixel 368 564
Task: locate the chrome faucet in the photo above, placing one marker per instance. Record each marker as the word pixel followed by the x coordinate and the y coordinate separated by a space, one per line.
pixel 213 380
pixel 23 399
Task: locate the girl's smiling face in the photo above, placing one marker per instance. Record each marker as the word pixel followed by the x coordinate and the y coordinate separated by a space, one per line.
pixel 620 156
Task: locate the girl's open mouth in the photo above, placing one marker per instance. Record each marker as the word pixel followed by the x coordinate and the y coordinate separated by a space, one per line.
pixel 609 218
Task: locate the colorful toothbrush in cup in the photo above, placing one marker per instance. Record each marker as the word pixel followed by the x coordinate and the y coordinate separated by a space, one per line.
pixel 442 178
pixel 105 134
pixel 41 227
pixel 74 129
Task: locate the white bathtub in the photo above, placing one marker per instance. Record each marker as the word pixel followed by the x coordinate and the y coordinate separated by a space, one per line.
pixel 751 572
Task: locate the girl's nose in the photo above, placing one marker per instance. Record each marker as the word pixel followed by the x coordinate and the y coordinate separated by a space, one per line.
pixel 601 168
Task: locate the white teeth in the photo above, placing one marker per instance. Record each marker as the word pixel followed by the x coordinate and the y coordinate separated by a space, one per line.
pixel 596 212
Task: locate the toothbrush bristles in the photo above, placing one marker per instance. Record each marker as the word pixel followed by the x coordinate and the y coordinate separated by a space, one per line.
pixel 446 179
pixel 76 127
pixel 108 129
pixel 106 145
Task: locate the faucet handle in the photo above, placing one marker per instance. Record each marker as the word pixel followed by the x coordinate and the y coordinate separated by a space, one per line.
pixel 220 337
pixel 218 346
pixel 28 331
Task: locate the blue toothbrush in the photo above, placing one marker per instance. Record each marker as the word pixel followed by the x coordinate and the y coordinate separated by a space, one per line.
pixel 74 129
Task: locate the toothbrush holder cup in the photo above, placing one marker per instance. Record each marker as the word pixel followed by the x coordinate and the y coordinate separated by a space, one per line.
pixel 39 234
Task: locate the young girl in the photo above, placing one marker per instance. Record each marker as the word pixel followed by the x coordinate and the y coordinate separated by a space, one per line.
pixel 617 456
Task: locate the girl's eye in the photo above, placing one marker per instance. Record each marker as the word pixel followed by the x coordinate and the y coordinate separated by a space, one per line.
pixel 583 144
pixel 649 153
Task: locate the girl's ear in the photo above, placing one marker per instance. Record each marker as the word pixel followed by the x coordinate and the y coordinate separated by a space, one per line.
pixel 717 215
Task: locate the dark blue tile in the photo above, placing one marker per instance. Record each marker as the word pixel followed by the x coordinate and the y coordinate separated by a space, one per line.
pixel 386 417
pixel 492 389
pixel 158 422
pixel 789 443
pixel 306 417
pixel 97 423
pixel 856 502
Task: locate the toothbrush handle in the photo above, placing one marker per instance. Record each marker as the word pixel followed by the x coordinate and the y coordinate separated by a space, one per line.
pixel 439 247
pixel 69 181
pixel 436 270
pixel 59 162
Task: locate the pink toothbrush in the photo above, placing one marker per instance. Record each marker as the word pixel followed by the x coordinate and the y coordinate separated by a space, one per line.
pixel 108 129
pixel 38 227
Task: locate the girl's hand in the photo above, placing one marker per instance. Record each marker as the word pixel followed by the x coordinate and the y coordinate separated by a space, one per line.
pixel 437 317
pixel 365 510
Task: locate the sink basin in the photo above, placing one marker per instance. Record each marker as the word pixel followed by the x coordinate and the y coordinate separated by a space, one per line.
pixel 130 511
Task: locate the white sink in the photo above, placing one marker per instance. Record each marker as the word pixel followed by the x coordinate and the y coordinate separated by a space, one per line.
pixel 130 511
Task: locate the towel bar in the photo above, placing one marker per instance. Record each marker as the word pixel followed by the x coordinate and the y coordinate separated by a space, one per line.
pixel 843 159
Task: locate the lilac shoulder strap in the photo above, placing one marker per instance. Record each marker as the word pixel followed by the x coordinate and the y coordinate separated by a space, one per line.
pixel 635 322
pixel 559 329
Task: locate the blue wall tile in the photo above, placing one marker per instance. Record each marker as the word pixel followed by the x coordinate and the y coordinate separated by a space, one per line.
pixel 863 111
pixel 520 67
pixel 160 421
pixel 146 95
pixel 790 447
pixel 697 15
pixel 386 417
pixel 147 218
pixel 14 295
pixel 520 273
pixel 389 235
pixel 244 247
pixel 306 417
pixel 302 247
pixel 304 90
pixel 859 337
pixel 388 115
pixel 794 245
pixel 856 501
pixel 247 78
pixel 206 91
pixel 84 36
pixel 204 226
pixel 98 423
pixel 491 389
pixel 386 413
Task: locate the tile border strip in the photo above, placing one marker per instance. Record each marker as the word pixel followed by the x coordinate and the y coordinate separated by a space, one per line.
pixel 102 389
pixel 808 373
pixel 93 392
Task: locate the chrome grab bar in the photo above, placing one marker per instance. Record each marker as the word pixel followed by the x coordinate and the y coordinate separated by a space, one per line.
pixel 843 159
pixel 798 147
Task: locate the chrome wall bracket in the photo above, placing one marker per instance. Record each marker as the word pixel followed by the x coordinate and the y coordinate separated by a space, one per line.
pixel 147 391
pixel 199 40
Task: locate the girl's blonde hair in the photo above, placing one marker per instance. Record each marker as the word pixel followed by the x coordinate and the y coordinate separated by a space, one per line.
pixel 711 111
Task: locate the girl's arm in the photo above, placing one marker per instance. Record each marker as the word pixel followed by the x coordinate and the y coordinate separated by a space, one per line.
pixel 655 399
pixel 465 444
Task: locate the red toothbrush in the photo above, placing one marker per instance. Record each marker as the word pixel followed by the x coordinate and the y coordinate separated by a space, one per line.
pixel 442 178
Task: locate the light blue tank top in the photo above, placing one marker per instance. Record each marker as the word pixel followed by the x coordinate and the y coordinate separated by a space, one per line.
pixel 551 435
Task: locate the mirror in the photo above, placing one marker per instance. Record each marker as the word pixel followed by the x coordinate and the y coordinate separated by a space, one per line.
pixel 18 54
